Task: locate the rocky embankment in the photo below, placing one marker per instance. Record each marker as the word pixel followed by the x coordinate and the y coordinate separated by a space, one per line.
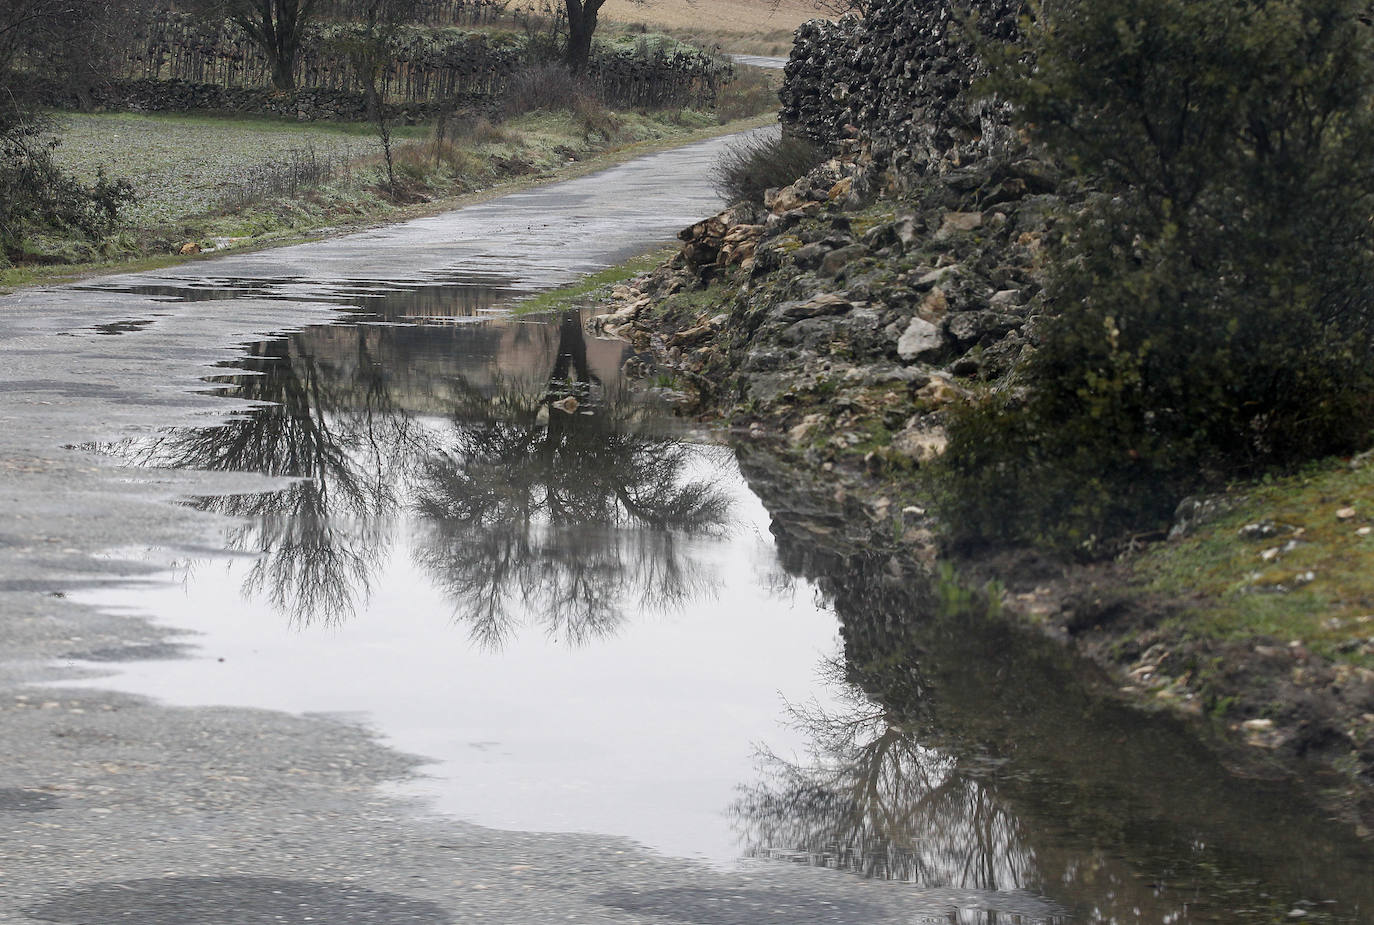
pixel 837 320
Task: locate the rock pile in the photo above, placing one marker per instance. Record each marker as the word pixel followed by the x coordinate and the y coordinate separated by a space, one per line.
pixel 856 303
pixel 848 329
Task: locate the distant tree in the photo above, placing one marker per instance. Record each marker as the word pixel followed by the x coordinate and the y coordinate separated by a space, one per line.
pixel 369 49
pixel 70 42
pixel 277 27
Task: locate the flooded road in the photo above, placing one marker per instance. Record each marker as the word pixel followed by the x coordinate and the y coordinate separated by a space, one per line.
pixel 643 678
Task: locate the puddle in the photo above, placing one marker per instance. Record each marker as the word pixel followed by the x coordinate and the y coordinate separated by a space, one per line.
pixel 499 559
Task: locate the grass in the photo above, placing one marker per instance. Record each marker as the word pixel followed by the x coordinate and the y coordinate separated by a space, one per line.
pixel 575 295
pixel 187 169
pixel 760 27
pixel 1312 581
pixel 185 164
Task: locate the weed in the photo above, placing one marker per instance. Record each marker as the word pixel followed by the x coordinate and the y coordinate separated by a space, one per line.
pixel 288 176
pixel 760 162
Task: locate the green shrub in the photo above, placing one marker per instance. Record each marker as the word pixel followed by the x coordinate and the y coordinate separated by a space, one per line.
pixel 1211 300
pixel 761 162
pixel 37 196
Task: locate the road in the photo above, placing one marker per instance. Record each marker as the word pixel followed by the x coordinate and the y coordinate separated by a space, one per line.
pixel 120 809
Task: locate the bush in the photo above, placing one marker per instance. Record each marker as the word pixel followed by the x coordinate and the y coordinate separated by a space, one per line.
pixel 296 172
pixel 36 196
pixel 548 87
pixel 762 162
pixel 1212 300
pixel 468 128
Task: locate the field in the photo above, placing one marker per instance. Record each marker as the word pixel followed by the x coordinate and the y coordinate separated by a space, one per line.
pixel 759 27
pixel 184 165
pixel 729 15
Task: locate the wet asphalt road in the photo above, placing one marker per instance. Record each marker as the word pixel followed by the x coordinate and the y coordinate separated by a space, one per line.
pixel 763 61
pixel 114 809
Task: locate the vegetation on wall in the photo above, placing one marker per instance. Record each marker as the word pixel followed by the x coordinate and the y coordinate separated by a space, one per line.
pixel 1210 300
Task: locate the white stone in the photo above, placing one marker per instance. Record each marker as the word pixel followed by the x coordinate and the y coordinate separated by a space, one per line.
pixel 920 338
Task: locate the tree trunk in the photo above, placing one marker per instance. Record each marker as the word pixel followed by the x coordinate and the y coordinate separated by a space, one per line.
pixel 283 74
pixel 581 27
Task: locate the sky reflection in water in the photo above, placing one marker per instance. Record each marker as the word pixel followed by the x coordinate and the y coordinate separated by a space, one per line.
pixel 502 561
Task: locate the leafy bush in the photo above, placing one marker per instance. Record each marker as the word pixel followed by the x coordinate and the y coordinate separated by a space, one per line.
pixel 762 162
pixel 1212 299
pixel 37 196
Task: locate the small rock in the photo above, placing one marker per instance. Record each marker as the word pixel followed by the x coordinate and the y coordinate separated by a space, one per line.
pixel 1005 298
pixel 1346 513
pixel 1262 530
pixel 939 391
pixel 810 256
pixel 1257 725
pixel 837 260
pixel 935 305
pixel 919 339
pixel 958 223
pixel 827 303
pixel 935 277
pixel 786 200
pixel 921 446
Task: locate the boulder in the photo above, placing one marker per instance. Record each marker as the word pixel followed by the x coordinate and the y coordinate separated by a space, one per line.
pixel 953 223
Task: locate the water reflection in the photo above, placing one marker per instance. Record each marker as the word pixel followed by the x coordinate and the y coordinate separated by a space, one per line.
pixel 544 502
pixel 870 798
pixel 549 498
pixel 967 755
pixel 457 296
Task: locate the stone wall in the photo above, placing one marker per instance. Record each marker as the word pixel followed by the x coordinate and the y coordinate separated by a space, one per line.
pixel 895 82
pixel 310 105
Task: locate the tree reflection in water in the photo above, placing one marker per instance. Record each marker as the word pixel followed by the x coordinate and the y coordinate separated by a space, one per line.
pixel 547 498
pixel 557 500
pixel 869 798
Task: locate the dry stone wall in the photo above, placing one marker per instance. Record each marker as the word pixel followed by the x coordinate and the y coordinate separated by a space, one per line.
pixel 896 83
pixel 308 105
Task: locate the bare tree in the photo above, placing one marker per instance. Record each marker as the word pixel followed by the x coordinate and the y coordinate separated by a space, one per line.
pixel 277 27
pixel 582 16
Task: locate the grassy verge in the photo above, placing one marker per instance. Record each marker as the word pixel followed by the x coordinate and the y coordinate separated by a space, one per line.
pixel 235 184
pixel 584 291
pixel 1293 560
